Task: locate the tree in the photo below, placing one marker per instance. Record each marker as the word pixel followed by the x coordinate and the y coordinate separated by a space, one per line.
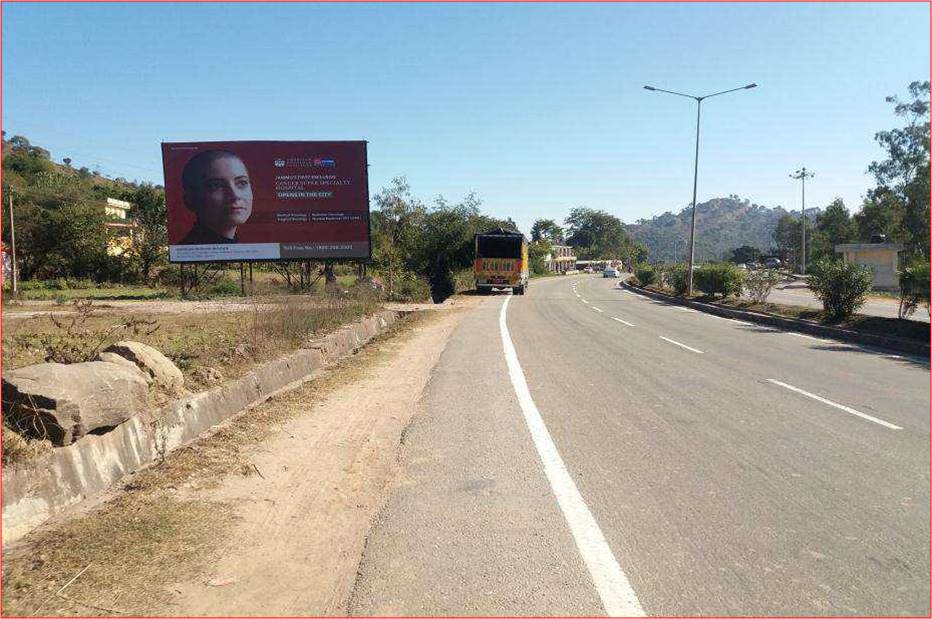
pixel 537 254
pixel 833 226
pixel 596 234
pixel 903 178
pixel 744 254
pixel 151 241
pixel 788 237
pixel 67 161
pixel 547 230
pixel 394 229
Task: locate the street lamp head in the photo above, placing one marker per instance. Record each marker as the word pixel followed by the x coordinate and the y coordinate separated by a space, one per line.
pixel 749 86
pixel 649 88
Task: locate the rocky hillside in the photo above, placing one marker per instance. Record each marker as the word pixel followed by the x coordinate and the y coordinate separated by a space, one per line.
pixel 723 224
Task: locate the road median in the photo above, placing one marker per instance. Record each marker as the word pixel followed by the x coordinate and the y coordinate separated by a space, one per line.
pixel 897 344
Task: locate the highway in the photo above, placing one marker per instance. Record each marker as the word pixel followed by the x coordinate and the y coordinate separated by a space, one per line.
pixel 583 450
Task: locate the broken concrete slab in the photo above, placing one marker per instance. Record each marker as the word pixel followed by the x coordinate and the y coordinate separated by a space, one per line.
pixel 62 403
pixel 152 362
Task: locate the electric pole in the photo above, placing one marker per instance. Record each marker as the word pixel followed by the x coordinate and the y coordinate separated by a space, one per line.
pixel 801 175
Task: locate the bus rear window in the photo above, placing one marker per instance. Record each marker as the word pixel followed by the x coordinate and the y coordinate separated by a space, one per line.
pixel 499 247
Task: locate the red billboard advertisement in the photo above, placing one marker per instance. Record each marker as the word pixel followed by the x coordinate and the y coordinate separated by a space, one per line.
pixel 266 201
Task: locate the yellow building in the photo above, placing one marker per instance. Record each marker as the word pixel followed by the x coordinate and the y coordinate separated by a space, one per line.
pixel 121 231
pixel 880 257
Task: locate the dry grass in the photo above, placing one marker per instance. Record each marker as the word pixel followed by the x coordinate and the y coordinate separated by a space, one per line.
pixel 153 534
pixel 202 345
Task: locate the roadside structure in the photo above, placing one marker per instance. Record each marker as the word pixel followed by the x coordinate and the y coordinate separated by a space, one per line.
pixel 561 259
pixel 880 257
pixel 121 230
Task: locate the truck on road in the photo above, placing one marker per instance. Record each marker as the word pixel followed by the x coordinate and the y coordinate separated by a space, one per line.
pixel 501 261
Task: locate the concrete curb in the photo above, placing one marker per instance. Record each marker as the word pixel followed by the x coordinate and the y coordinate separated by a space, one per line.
pixel 896 344
pixel 34 492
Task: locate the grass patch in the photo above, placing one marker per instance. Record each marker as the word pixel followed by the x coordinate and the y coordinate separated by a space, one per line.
pixel 150 536
pixel 130 550
pixel 101 294
pixel 208 347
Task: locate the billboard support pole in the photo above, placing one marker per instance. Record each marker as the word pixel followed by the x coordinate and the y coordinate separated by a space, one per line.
pixel 242 279
pixel 250 277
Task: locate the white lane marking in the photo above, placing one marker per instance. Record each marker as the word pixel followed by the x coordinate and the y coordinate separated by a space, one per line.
pixel 809 337
pixel 596 309
pixel 584 301
pixel 626 290
pixel 614 589
pixel 684 309
pixel 622 321
pixel 847 409
pixel 681 345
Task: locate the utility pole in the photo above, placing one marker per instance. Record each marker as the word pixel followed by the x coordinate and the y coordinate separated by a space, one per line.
pixel 801 175
pixel 13 245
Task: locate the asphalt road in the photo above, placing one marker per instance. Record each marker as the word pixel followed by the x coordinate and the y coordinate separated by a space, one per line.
pixel 725 468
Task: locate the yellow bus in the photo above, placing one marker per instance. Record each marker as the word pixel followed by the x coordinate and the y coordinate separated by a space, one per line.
pixel 501 261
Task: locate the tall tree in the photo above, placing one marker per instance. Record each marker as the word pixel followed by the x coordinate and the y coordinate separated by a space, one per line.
pixel 788 237
pixel 597 234
pixel 547 230
pixel 903 176
pixel 149 245
pixel 833 226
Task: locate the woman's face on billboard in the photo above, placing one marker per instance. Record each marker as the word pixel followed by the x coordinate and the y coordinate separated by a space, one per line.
pixel 223 195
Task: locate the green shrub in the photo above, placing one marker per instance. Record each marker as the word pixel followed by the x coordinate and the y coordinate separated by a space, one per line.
pixel 408 286
pixel 842 287
pixel 646 274
pixel 677 278
pixel 723 279
pixel 224 287
pixel 914 287
pixel 759 283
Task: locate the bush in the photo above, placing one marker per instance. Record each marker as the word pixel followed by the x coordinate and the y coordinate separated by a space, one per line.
pixel 677 278
pixel 842 287
pixel 224 287
pixel 759 283
pixel 914 287
pixel 724 279
pixel 408 286
pixel 646 274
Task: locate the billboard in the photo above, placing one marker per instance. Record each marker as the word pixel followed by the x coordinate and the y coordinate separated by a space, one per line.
pixel 266 201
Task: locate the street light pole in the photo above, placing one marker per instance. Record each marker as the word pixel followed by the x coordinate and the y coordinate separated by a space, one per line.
pixel 692 231
pixel 801 175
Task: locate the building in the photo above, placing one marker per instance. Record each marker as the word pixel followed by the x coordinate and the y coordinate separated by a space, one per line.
pixel 121 230
pixel 880 257
pixel 561 259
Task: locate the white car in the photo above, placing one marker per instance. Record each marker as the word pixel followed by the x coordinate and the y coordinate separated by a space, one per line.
pixel 611 272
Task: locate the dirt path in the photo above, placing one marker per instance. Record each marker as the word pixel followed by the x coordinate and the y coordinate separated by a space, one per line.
pixel 303 519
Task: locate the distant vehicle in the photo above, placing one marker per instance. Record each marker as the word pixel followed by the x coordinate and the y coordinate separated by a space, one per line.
pixel 773 263
pixel 743 267
pixel 588 270
pixel 611 272
pixel 501 261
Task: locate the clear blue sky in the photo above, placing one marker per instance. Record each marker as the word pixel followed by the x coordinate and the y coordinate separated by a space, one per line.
pixel 536 107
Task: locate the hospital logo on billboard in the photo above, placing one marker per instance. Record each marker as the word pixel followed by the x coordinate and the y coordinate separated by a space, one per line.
pixel 326 162
pixel 279 163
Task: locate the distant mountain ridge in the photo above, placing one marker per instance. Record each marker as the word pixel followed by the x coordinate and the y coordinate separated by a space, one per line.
pixel 722 225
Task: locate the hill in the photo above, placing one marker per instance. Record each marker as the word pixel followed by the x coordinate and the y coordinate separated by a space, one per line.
pixel 723 224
